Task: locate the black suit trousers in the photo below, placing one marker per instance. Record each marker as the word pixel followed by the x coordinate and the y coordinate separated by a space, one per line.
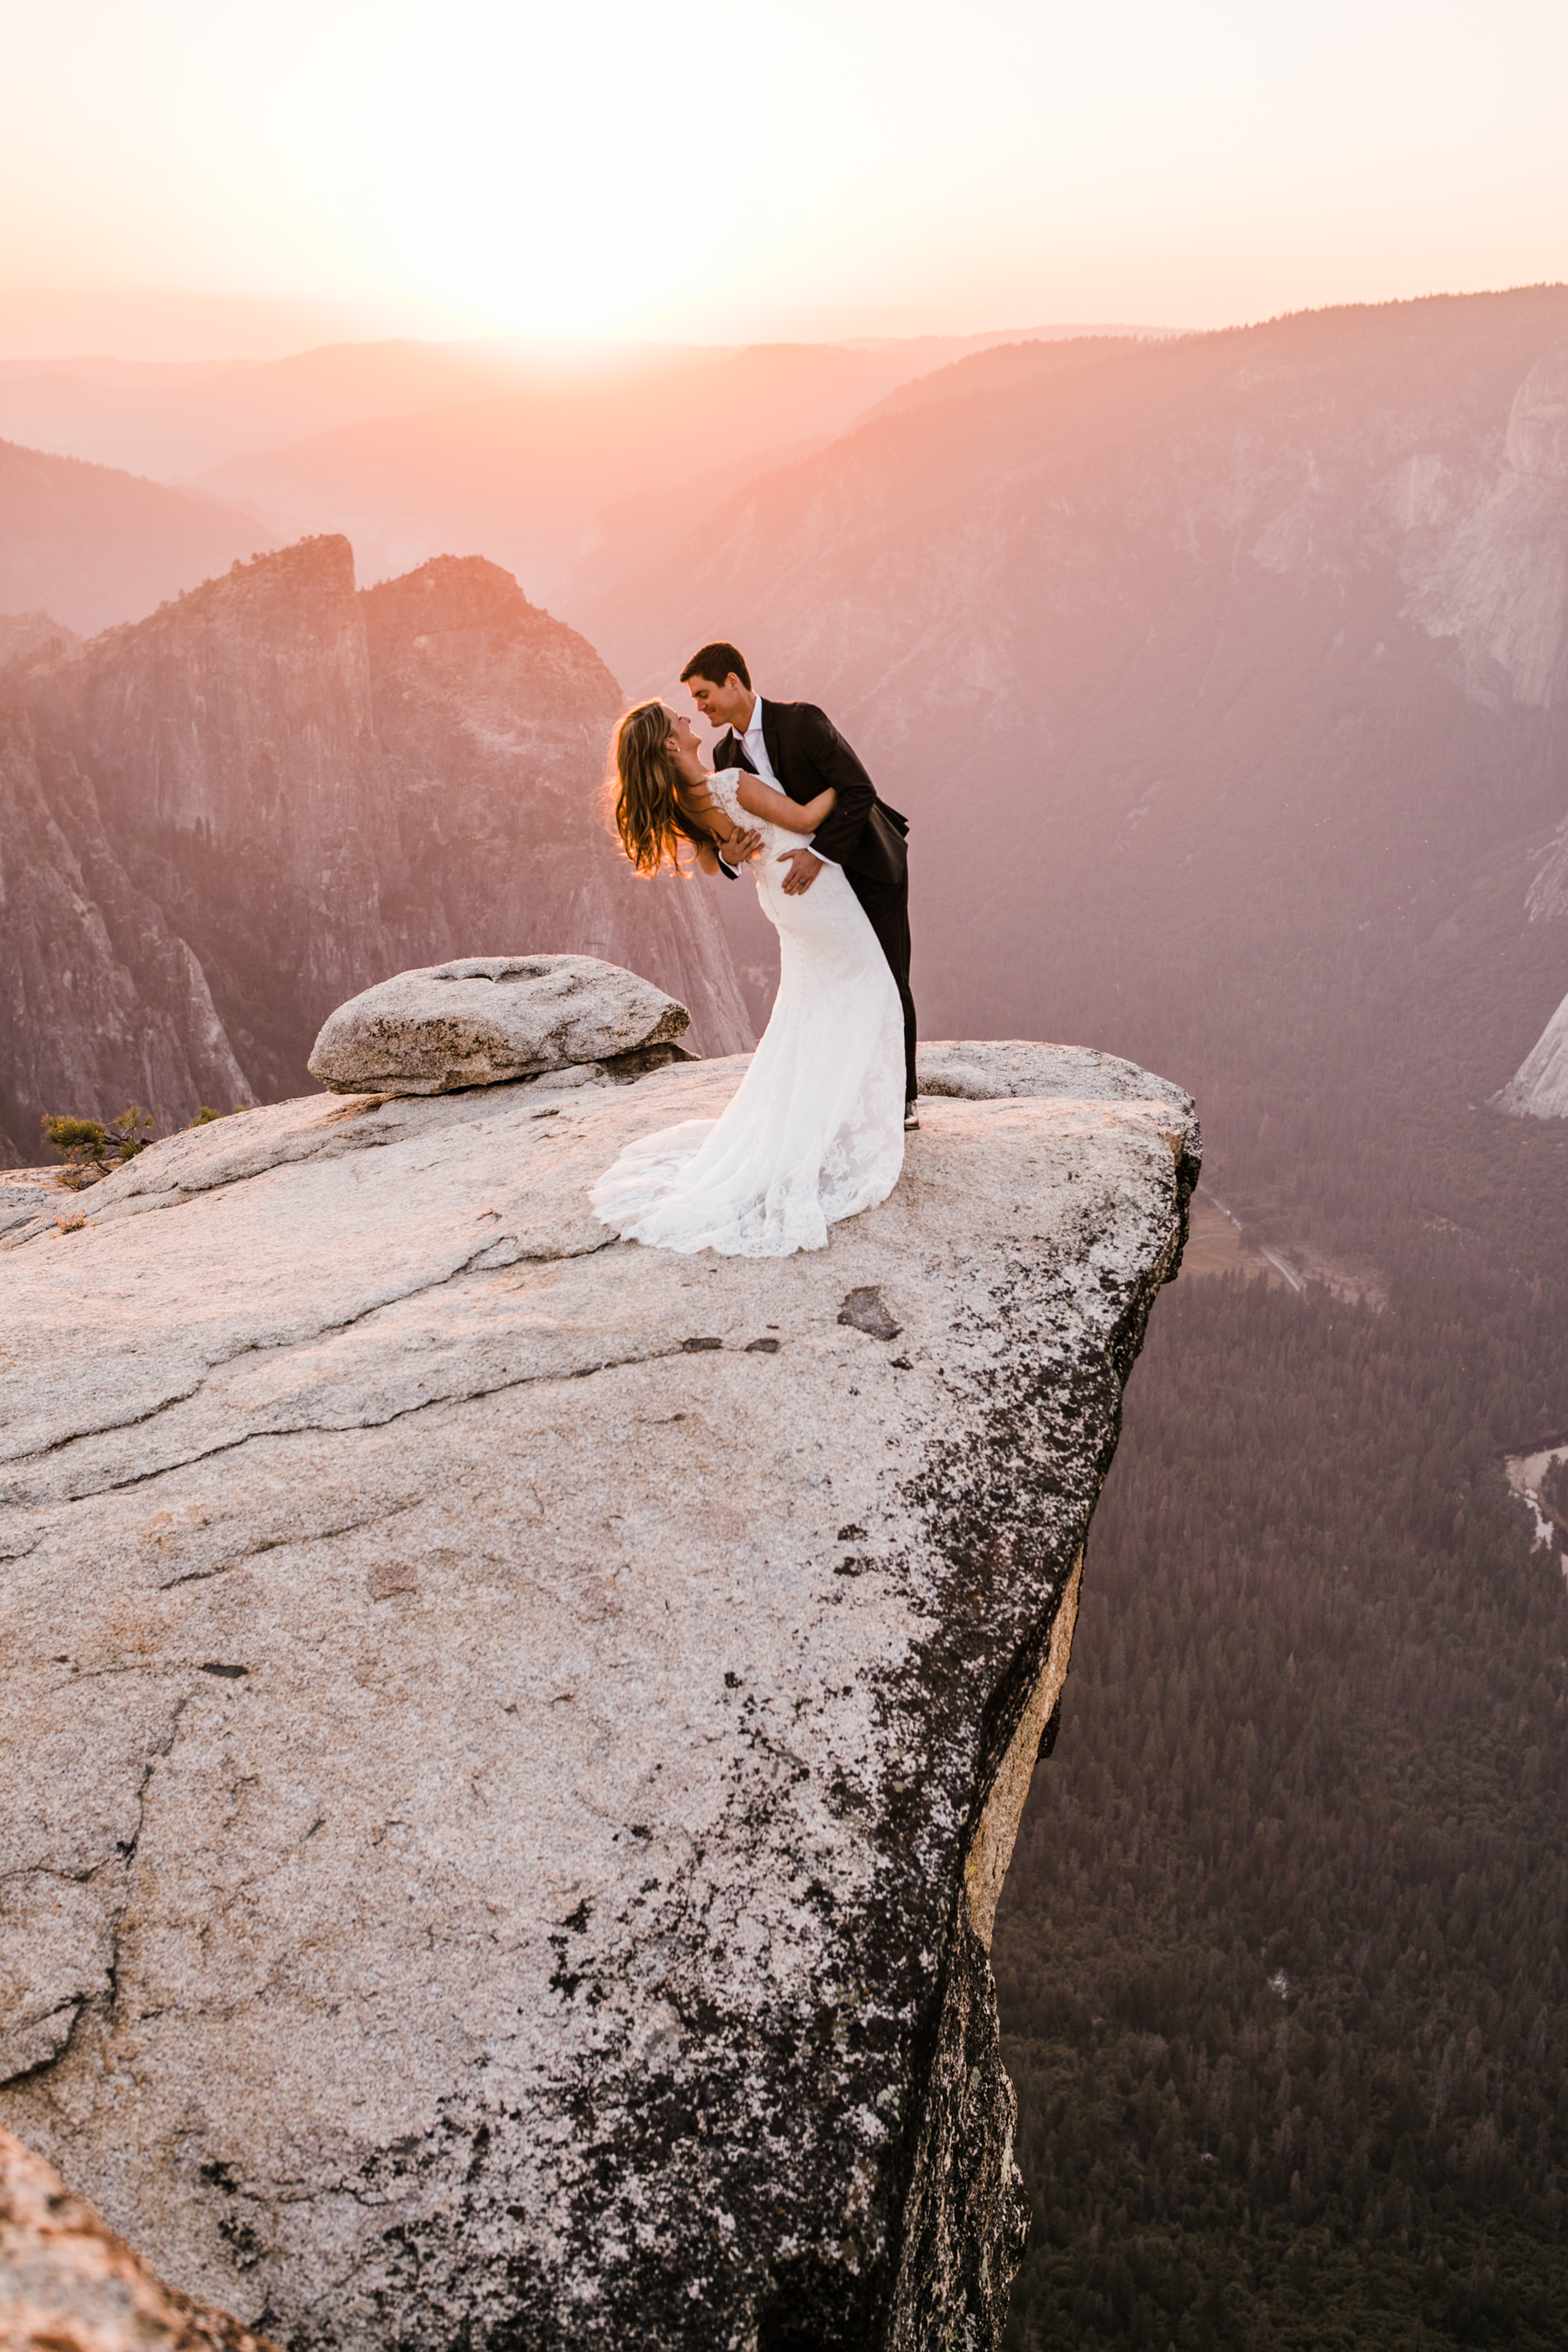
pixel 887 910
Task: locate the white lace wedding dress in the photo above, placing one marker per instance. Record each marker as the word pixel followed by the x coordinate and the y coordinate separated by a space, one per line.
pixel 815 1130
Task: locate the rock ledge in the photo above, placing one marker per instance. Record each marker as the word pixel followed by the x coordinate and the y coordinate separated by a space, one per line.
pixel 514 1740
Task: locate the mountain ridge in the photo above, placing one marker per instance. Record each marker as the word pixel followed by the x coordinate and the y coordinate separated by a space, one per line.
pixel 91 543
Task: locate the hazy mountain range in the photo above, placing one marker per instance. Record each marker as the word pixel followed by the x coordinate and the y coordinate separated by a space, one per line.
pixel 90 545
pixel 171 418
pixel 521 450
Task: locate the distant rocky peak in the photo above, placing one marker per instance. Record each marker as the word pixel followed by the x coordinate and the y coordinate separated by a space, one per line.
pixel 28 641
pixel 450 591
pixel 462 622
pixel 285 584
pixel 294 604
pixel 243 704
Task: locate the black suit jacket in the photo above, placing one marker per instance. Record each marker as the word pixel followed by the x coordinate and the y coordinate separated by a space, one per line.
pixel 807 754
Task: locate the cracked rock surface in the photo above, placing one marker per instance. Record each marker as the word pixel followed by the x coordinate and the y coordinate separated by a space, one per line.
pixel 512 1740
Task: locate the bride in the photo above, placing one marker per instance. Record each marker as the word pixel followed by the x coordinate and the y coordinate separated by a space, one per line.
pixel 815 1132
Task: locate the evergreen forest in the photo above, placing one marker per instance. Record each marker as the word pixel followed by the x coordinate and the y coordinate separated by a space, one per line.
pixel 1282 1957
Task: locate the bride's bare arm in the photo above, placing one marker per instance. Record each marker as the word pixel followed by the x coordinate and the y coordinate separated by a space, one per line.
pixel 738 842
pixel 761 799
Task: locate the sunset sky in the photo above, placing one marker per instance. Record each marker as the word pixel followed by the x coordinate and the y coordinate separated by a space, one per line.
pixel 188 179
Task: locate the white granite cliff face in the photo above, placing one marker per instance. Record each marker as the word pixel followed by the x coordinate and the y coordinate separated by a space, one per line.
pixel 1486 547
pixel 512 1740
pixel 1539 1088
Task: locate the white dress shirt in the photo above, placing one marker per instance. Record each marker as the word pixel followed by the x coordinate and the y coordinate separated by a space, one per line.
pixel 754 743
pixel 756 746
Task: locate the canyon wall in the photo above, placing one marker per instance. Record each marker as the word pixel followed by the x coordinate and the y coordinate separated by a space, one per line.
pixel 225 818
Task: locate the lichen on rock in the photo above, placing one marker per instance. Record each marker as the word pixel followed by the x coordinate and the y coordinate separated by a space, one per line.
pixel 534 1727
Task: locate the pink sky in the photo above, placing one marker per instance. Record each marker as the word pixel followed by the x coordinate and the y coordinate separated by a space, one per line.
pixel 183 180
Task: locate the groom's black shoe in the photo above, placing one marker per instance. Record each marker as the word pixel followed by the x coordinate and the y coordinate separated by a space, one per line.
pixel 911 1120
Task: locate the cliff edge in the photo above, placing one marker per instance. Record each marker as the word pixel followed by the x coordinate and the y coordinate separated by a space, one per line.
pixel 514 1739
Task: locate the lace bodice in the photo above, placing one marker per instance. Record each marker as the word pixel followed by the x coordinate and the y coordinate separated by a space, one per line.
pixel 724 785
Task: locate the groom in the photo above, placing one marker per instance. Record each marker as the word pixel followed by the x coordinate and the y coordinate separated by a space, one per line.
pixel 797 747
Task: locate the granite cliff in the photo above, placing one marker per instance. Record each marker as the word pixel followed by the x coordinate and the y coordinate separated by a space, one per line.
pixel 1539 1088
pixel 514 1740
pixel 222 820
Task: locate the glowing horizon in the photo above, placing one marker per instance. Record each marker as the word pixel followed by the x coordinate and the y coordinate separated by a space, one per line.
pixel 196 180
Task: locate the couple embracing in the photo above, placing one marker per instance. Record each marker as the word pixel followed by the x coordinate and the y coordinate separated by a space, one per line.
pixel 815 1132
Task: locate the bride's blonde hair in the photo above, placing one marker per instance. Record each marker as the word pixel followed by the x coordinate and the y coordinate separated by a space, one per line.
pixel 640 788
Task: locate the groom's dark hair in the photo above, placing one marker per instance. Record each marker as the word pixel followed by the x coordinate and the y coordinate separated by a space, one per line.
pixel 715 663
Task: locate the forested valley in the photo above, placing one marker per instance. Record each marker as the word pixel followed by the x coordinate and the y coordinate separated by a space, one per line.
pixel 1281 1955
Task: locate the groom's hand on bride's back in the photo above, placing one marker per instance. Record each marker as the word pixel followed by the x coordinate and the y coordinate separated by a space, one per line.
pixel 805 867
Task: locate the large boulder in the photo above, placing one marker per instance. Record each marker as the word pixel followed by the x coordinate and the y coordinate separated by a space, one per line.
pixel 485 1019
pixel 513 1740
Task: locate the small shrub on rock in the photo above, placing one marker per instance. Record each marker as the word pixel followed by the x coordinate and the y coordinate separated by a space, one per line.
pixel 90 1147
